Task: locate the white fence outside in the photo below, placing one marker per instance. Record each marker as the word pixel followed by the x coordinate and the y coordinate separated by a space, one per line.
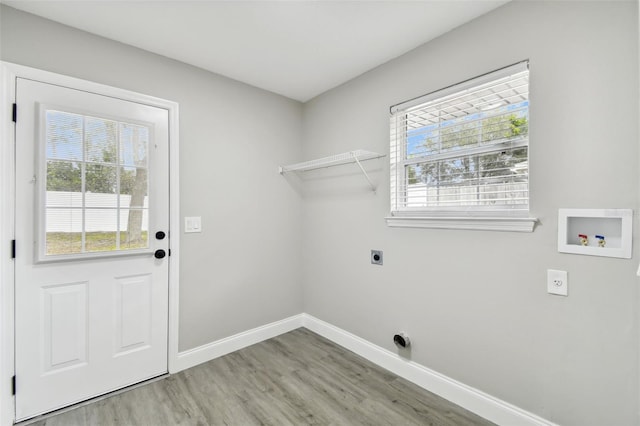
pixel 64 212
pixel 419 195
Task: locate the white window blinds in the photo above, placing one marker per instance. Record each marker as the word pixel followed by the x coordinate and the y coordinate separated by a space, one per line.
pixel 463 148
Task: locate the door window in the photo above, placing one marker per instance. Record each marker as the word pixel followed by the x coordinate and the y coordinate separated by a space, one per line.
pixel 95 197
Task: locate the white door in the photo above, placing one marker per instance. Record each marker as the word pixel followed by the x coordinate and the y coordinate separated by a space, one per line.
pixel 91 285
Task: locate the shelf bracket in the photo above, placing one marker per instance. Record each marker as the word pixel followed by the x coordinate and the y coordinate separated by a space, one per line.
pixel 373 187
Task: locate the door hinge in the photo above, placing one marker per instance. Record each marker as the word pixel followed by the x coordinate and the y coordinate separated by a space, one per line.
pixel 14 114
pixel 13 249
pixel 13 385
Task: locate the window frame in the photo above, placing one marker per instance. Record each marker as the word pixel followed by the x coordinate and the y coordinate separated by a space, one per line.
pixel 500 217
pixel 41 188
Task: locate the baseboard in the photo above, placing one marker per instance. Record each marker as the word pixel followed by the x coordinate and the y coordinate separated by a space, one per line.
pixel 204 353
pixel 478 402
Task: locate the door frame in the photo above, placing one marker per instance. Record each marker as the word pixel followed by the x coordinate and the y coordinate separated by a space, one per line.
pixel 8 74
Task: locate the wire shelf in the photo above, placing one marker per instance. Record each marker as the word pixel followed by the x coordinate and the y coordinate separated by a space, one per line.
pixel 333 160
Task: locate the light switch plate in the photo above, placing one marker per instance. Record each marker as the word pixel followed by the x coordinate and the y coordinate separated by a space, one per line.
pixel 192 224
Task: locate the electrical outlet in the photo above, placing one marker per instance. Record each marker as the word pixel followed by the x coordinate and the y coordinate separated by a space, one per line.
pixel 557 282
pixel 376 257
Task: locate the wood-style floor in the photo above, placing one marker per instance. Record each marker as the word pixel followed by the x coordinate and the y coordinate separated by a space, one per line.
pixel 298 378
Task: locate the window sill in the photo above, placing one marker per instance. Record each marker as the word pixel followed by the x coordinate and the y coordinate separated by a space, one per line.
pixel 513 224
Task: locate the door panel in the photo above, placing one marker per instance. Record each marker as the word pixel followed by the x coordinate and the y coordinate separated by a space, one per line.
pixel 91 192
pixel 133 297
pixel 64 325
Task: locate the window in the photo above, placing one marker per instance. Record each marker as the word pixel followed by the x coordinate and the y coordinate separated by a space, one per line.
pixel 96 191
pixel 463 151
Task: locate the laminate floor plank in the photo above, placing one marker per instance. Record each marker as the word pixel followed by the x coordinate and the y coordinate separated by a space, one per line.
pixel 298 378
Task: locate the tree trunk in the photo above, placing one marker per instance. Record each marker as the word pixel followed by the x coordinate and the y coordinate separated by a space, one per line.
pixel 138 192
pixel 134 224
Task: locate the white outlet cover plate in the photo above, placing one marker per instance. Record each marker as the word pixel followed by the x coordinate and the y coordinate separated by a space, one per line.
pixel 557 282
pixel 192 224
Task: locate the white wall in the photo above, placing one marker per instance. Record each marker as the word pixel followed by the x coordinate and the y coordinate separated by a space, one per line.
pixel 243 270
pixel 475 302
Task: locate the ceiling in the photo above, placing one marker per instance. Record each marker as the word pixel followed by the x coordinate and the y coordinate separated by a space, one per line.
pixel 298 49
